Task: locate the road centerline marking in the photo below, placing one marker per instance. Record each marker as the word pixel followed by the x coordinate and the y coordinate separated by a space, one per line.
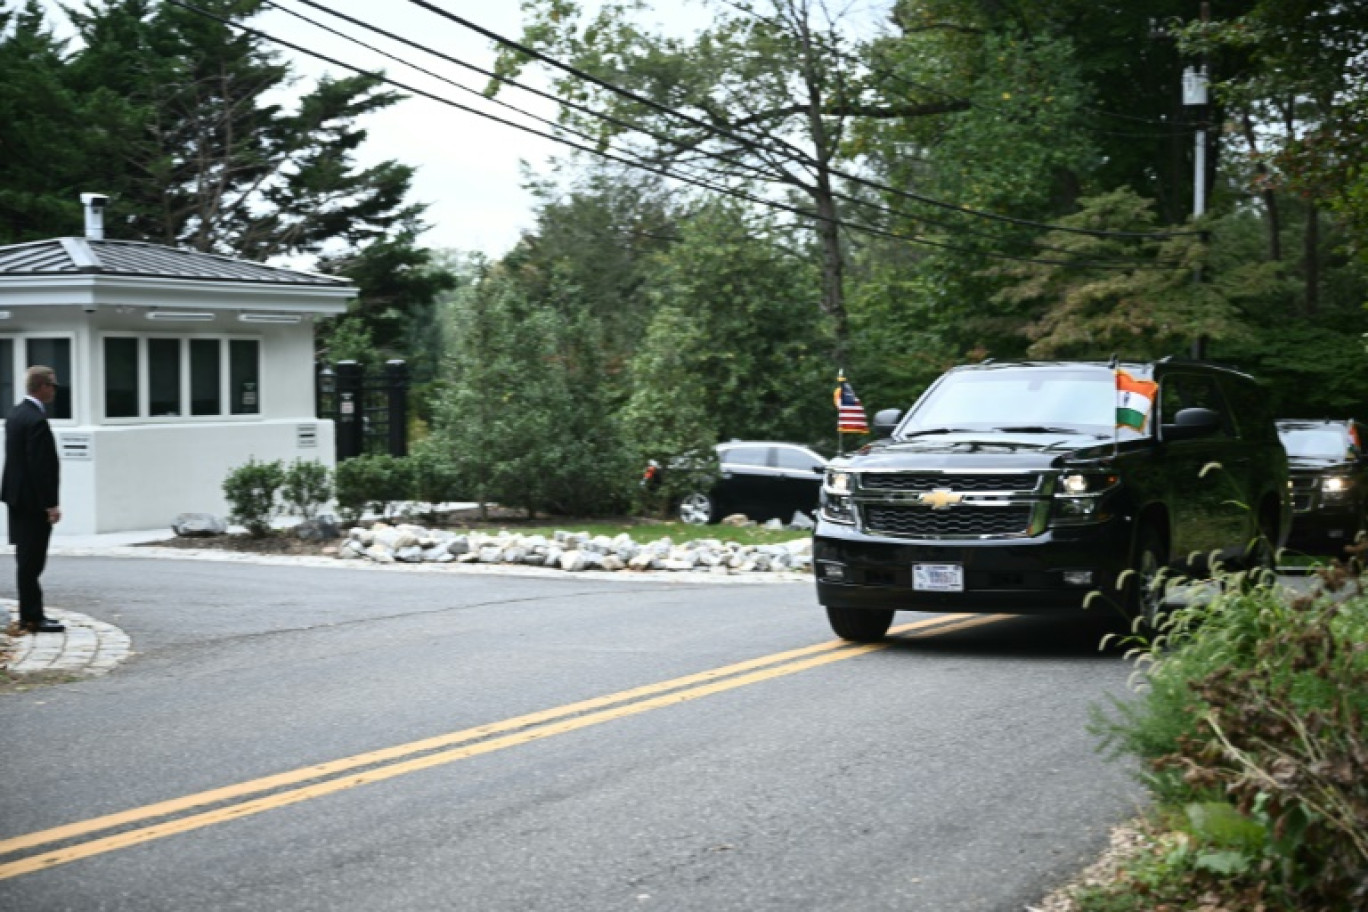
pixel 380 765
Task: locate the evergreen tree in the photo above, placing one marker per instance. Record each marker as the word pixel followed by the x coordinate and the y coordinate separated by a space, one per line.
pixel 194 153
pixel 523 417
pixel 741 316
pixel 45 131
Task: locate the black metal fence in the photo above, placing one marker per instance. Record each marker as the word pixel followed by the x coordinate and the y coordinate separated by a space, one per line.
pixel 369 407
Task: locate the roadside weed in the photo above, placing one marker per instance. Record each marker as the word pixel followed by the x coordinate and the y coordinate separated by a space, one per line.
pixel 1250 726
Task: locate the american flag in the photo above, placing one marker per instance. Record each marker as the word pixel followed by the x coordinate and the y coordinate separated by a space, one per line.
pixel 850 414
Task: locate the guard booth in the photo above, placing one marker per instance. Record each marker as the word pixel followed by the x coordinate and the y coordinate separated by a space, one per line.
pixel 175 366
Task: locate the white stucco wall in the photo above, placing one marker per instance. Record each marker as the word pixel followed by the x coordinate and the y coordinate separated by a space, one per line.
pixel 142 477
pixel 133 474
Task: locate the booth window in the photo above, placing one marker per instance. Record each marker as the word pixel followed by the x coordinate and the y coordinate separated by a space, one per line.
pixel 56 354
pixel 163 377
pixel 244 369
pixel 7 394
pixel 121 377
pixel 167 377
pixel 206 396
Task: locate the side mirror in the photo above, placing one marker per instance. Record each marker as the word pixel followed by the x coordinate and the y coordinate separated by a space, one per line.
pixel 1192 423
pixel 885 421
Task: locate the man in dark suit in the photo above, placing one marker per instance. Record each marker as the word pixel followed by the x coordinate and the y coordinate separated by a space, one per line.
pixel 29 488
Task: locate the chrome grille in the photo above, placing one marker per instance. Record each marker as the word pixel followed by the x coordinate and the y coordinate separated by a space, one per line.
pixel 1304 491
pixel 930 481
pixel 958 522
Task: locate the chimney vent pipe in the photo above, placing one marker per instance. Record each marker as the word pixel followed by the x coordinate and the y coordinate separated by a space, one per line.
pixel 94 215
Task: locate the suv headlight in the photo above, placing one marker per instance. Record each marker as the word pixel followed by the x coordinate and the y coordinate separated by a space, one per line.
pixel 1078 498
pixel 836 505
pixel 1335 488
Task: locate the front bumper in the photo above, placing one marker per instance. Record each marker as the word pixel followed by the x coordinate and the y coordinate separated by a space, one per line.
pixel 1018 575
pixel 1325 530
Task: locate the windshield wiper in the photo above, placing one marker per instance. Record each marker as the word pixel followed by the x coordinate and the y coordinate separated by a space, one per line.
pixel 1036 429
pixel 940 430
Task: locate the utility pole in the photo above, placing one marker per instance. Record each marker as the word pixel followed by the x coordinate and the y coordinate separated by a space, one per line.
pixel 1195 98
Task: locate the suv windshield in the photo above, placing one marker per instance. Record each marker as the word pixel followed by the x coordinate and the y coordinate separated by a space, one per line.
pixel 1315 443
pixel 1025 399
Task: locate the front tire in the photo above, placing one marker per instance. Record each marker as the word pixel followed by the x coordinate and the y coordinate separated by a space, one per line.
pixel 1145 589
pixel 698 509
pixel 863 625
pixel 1260 558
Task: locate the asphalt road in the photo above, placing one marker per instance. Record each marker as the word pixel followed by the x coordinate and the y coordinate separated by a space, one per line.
pixel 361 739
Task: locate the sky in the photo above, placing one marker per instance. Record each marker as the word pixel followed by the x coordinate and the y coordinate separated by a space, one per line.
pixel 470 170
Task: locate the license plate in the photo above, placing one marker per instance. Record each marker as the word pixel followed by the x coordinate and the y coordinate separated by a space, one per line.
pixel 938 577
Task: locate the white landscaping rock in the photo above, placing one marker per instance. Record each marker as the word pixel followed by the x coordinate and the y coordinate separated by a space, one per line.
pixel 572 551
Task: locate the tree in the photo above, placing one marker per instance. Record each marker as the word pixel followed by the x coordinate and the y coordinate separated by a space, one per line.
pixel 757 104
pixel 522 417
pixel 1302 103
pixel 1153 309
pixel 170 112
pixel 971 185
pixel 196 154
pixel 400 285
pixel 44 131
pixel 598 235
pixel 740 315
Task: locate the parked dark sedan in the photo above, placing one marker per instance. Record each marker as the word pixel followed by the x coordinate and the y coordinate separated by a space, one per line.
pixel 760 478
pixel 1329 483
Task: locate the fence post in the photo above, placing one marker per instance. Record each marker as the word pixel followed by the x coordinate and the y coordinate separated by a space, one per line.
pixel 325 390
pixel 351 431
pixel 396 389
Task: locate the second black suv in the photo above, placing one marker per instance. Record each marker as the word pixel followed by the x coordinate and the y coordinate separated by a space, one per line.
pixel 1329 483
pixel 1021 487
pixel 763 479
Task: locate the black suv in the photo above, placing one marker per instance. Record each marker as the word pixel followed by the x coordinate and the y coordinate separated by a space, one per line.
pixel 1022 487
pixel 764 479
pixel 1329 483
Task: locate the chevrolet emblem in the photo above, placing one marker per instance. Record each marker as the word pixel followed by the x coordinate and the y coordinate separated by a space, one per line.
pixel 940 498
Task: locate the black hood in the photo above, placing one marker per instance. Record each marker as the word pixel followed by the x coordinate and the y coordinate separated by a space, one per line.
pixel 1316 464
pixel 981 450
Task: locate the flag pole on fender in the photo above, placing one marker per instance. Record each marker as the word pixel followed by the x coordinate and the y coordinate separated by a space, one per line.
pixel 1116 428
pixel 850 414
pixel 1134 404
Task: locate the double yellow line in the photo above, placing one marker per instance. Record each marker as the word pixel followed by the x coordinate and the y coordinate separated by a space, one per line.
pixel 233 802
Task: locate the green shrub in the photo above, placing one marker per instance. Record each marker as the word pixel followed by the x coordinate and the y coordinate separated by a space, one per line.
pixel 434 473
pixel 251 491
pixel 350 488
pixel 392 480
pixel 1253 724
pixel 307 486
pixel 377 482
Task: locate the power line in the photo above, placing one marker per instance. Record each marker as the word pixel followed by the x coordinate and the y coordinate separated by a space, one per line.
pixel 664 172
pixel 802 156
pixel 757 171
pixel 950 96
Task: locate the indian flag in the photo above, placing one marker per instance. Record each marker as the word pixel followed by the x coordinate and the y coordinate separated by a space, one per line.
pixel 1134 399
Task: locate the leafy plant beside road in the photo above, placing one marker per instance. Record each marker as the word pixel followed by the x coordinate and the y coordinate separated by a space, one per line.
pixel 1251 731
pixel 257 491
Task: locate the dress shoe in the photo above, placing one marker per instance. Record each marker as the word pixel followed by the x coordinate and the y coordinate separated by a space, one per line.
pixel 43 626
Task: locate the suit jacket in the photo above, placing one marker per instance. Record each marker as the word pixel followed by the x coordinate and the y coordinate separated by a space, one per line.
pixel 31 478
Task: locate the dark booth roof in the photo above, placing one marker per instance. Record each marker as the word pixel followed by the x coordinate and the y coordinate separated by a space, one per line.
pixel 84 256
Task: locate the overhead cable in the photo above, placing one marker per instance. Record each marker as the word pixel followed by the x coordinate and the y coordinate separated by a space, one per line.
pixel 755 170
pixel 806 158
pixel 808 215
